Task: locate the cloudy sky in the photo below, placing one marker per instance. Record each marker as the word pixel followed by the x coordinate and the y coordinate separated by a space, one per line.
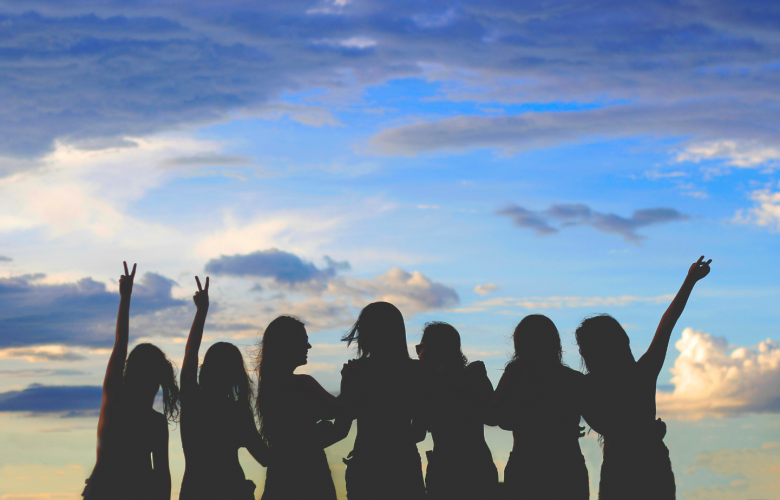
pixel 471 162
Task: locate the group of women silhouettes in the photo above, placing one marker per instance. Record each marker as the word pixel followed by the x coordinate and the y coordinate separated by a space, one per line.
pixel 395 400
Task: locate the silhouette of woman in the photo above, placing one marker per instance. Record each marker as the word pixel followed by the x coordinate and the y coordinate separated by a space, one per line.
pixel 382 390
pixel 458 396
pixel 620 401
pixel 539 399
pixel 289 407
pixel 129 429
pixel 216 417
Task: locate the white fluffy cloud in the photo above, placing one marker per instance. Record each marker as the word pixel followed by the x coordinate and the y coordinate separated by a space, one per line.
pixel 711 378
pixel 485 289
pixel 765 213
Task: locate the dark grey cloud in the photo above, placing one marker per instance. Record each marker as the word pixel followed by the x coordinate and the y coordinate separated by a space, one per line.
pixel 94 70
pixel 3 258
pixel 38 398
pixel 285 268
pixel 81 313
pixel 207 160
pixel 541 222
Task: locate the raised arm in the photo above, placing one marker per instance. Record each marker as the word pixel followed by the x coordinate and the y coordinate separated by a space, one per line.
pixel 189 368
pixel 653 359
pixel 112 384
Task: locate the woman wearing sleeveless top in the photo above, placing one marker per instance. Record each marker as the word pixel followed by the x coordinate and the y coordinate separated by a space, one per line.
pixel 290 407
pixel 216 417
pixel 129 429
pixel 620 401
pixel 382 390
pixel 458 394
pixel 539 399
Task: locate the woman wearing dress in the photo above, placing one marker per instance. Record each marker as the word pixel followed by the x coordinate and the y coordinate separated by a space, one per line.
pixel 129 429
pixel 290 407
pixel 216 417
pixel 620 401
pixel 539 399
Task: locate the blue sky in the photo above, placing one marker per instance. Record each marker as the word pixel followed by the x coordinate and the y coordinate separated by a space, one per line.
pixel 472 162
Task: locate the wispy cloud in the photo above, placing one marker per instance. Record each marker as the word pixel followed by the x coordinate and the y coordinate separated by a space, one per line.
pixel 578 215
pixel 556 302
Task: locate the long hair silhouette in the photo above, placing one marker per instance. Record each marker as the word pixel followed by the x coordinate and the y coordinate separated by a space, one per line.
pixel 149 370
pixel 458 395
pixel 382 390
pixel 379 332
pixel 216 417
pixel 539 399
pixel 129 429
pixel 620 401
pixel 295 413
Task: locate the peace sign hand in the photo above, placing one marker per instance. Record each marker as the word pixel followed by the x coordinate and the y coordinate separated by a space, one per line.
pixel 201 297
pixel 126 282
pixel 699 269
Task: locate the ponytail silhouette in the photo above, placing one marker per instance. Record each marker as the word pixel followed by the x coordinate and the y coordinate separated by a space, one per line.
pixel 130 431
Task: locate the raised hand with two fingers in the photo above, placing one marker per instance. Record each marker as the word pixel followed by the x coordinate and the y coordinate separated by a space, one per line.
pixel 699 269
pixel 126 282
pixel 201 297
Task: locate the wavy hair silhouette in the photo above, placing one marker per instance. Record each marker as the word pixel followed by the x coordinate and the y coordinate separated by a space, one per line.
pixel 147 370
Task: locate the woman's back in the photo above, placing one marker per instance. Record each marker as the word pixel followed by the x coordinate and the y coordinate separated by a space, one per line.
pixel 384 397
pixel 212 431
pixel 457 402
pixel 548 403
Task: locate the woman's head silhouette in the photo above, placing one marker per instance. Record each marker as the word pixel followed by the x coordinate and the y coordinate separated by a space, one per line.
pixel 604 344
pixel 440 344
pixel 223 374
pixel 537 341
pixel 379 332
pixel 147 369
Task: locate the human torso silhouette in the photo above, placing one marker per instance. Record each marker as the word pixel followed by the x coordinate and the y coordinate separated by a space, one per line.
pixel 621 407
pixel 542 408
pixel 460 466
pixel 299 469
pixel 212 431
pixel 124 468
pixel 384 397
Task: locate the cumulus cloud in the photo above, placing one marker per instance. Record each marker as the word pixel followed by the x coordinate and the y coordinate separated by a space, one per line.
pixel 283 267
pixel 576 215
pixel 37 398
pixel 103 70
pixel 711 378
pixel 81 313
pixel 411 292
pixel 485 289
